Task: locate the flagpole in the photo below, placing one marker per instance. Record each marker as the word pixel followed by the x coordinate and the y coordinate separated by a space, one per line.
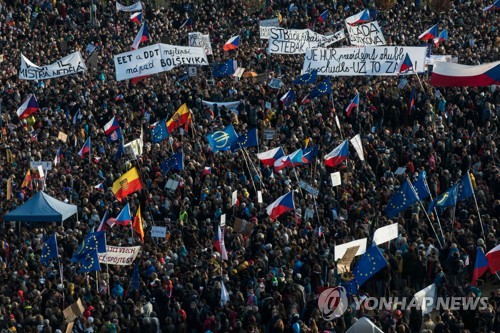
pixel 60 270
pixel 253 166
pixel 430 222
pixel 435 210
pixel 479 214
pixel 249 171
pixel 418 77
pixel 297 177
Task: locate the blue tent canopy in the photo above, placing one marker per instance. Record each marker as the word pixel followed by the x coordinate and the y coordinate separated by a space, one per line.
pixel 41 208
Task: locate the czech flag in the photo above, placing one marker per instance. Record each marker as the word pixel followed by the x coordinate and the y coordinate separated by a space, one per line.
pixel 232 44
pixel 85 149
pixel 430 33
pixel 270 156
pixel 29 107
pixel 219 243
pixel 493 257
pixel 354 104
pixel 447 74
pixel 124 218
pixel 99 187
pixel 288 98
pixel 338 155
pixel 58 157
pixel 142 36
pixel 282 205
pixel 295 158
pixel 480 267
pixel 323 16
pixel 493 6
pixel 406 65
pixel 111 126
pixel 443 35
pixel 359 18
pixel 136 17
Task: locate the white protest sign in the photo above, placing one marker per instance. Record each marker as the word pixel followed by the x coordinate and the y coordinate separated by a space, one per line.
pixel 422 297
pixel 275 83
pixel 70 64
pixel 136 7
pixel 234 198
pixel 342 248
pixel 290 41
pixel 265 25
pixel 400 171
pixel 366 34
pixel 336 178
pixel 134 148
pixel 363 61
pixel 223 220
pixel 40 171
pixel 46 165
pixel 156 59
pixel 197 39
pixel 232 106
pixel 118 255
pixel 358 146
pixel 386 233
pixel 259 197
pixel 437 58
pixel 239 72
pixel 159 232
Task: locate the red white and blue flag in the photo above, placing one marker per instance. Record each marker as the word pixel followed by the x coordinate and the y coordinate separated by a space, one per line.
pixel 406 65
pixel 270 156
pixel 142 36
pixel 359 18
pixel 136 17
pixel 85 149
pixel 493 6
pixel 124 218
pixel 338 155
pixel 99 187
pixel 111 126
pixel 493 257
pixel 443 35
pixel 219 243
pixel 29 107
pixel 58 157
pixel 430 33
pixel 480 266
pixel 295 158
pixel 354 104
pixel 447 74
pixel 232 44
pixel 324 16
pixel 282 205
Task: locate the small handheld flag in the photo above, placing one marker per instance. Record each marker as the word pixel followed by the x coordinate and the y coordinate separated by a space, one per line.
pixel 430 33
pixel 338 155
pixel 138 225
pixel 494 6
pixel 406 65
pixel 29 107
pixel 480 266
pixel 49 250
pixel 136 17
pixel 354 104
pixel 282 205
pixel 127 184
pixel 323 17
pixel 85 149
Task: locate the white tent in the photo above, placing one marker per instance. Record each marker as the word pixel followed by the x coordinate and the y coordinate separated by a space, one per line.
pixel 364 325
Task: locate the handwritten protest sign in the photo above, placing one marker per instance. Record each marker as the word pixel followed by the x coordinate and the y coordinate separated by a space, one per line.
pixel 71 64
pixel 265 25
pixel 366 34
pixel 197 39
pixel 156 59
pixel 118 255
pixel 362 61
pixel 290 41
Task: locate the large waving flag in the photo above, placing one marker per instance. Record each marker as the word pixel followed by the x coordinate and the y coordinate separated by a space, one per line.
pixel 246 140
pixel 232 44
pixel 354 104
pixel 430 33
pixel 89 261
pixel 443 35
pixel 406 65
pixel 309 154
pixel 137 225
pixel 93 241
pixel 295 158
pixel 402 199
pixel 224 69
pixel 159 132
pixel 111 126
pixel 270 156
pixel 136 17
pixel 359 18
pixel 49 250
pixel 447 74
pixel 420 186
pixel 493 257
pixel 480 266
pixel 493 6
pixel 307 78
pixel 222 140
pixel 85 149
pixel 124 218
pixel 282 205
pixel 324 88
pixel 181 117
pixel 174 162
pixel 370 263
pixel 29 107
pixel 127 184
pixel 338 155
pixel 447 199
pixel 142 36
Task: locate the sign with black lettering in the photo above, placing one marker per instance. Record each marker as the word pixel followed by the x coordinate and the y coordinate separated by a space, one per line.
pixel 290 41
pixel 197 39
pixel 156 59
pixel 363 61
pixel 308 187
pixel 265 25
pixel 70 64
pixel 269 133
pixel 367 34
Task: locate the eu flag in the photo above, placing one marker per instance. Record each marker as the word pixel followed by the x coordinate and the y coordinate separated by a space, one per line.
pixel 307 78
pixel 248 139
pixel 120 151
pixel 49 250
pixel 370 263
pixel 448 198
pixel 222 140
pixel 93 240
pixel 324 88
pixel 224 69
pixel 351 287
pixel 174 162
pixel 402 199
pixel 465 189
pixel 89 261
pixel 160 132
pixel 420 186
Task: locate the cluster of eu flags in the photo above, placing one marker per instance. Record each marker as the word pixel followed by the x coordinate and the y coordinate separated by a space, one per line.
pixel 87 254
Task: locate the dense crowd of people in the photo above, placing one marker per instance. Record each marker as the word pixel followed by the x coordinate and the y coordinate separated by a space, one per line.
pixel 276 268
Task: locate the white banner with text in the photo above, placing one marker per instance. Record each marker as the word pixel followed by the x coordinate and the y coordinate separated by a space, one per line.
pixel 70 64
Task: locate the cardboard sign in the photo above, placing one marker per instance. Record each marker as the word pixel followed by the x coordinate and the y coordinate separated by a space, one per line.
pixel 159 232
pixel 242 226
pixel 62 136
pixel 344 264
pixel 73 311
